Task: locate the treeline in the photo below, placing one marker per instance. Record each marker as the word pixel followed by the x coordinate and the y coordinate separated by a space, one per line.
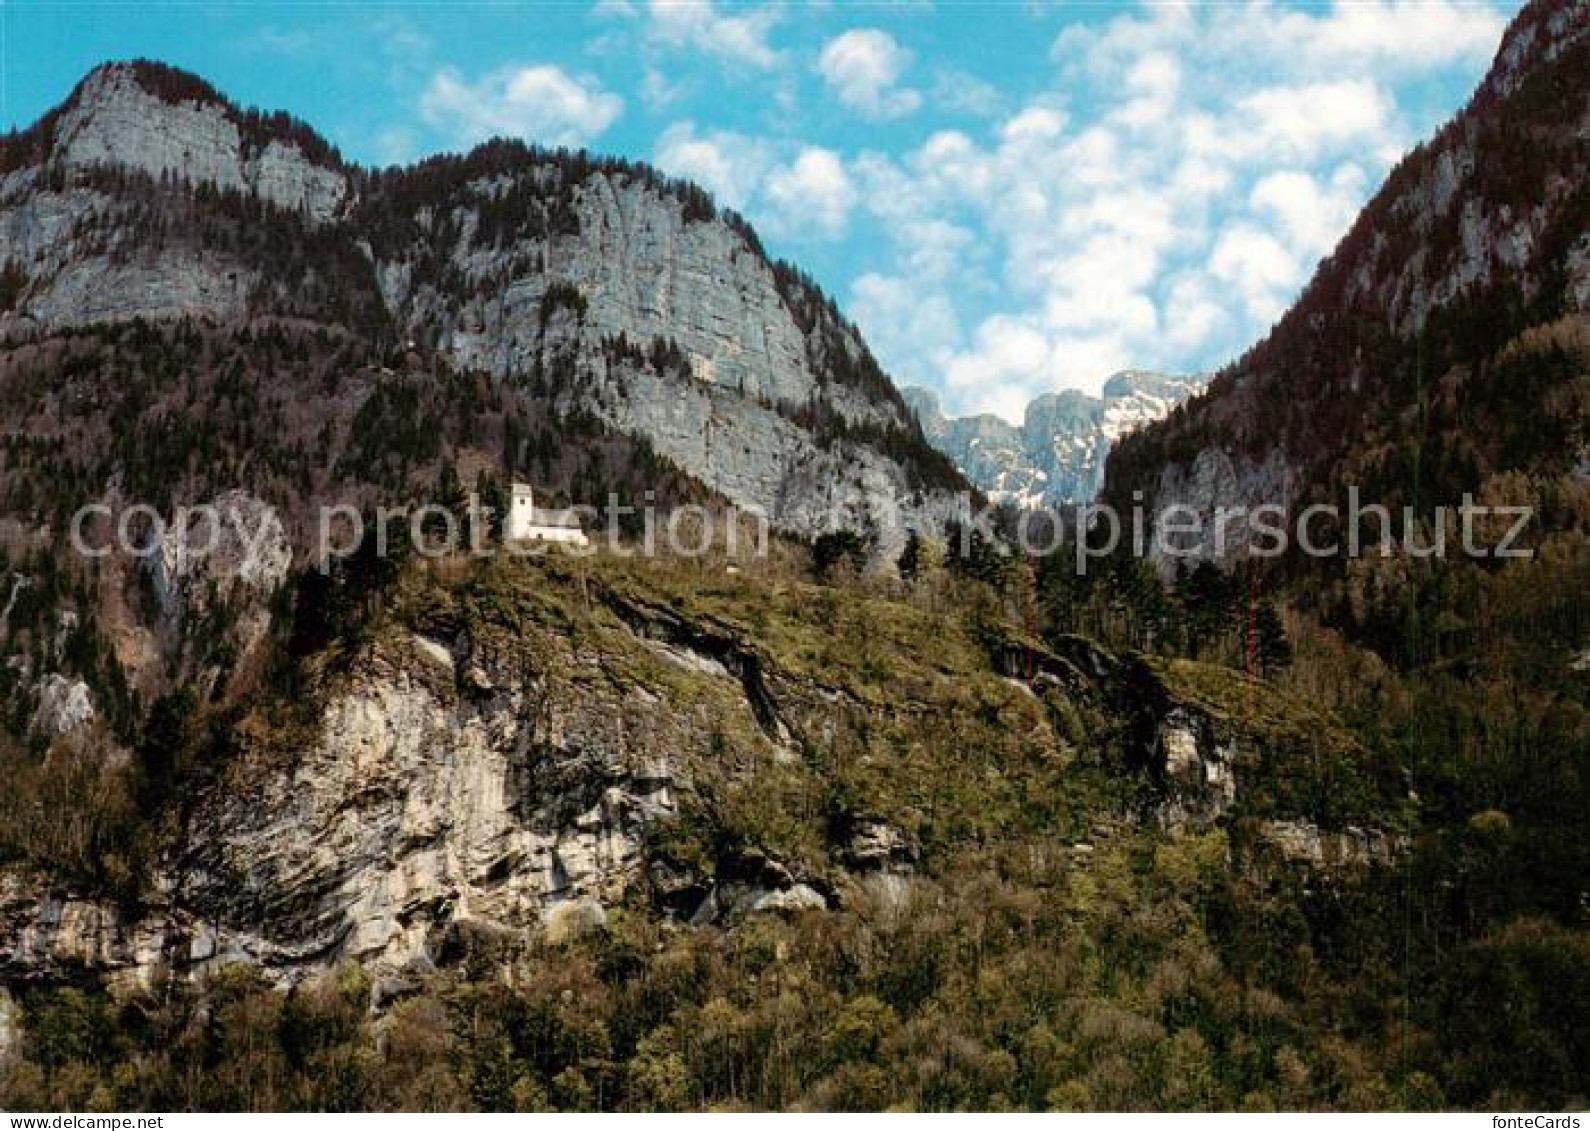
pixel 1151 981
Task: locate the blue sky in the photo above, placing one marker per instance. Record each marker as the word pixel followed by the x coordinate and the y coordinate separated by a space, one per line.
pixel 1010 198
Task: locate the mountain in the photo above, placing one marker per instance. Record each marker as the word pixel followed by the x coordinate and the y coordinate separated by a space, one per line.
pixel 1058 454
pixel 595 288
pixel 653 831
pixel 1440 348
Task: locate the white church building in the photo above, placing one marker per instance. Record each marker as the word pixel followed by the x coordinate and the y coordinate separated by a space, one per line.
pixel 527 524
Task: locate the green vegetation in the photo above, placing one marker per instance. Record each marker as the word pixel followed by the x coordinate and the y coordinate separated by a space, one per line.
pixel 1049 948
pixel 1046 930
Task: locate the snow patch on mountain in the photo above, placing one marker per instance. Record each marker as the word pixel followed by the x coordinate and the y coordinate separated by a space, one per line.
pixel 1057 455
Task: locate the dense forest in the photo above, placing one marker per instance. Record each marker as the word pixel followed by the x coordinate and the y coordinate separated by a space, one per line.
pixel 1165 968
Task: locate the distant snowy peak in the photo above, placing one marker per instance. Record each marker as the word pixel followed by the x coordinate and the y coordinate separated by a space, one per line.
pixel 1058 453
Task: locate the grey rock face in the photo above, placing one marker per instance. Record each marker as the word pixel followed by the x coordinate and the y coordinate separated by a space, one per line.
pixel 448 787
pixel 1210 510
pixel 1058 454
pixel 10 1028
pixel 878 846
pixel 1352 848
pixel 1203 764
pixel 232 549
pixel 1200 767
pixel 115 120
pixel 64 705
pixel 416 808
pixel 229 554
pixel 645 272
pixel 762 390
pixel 46 936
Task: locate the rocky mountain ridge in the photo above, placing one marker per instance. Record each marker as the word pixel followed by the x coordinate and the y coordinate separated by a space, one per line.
pixel 1058 454
pixel 599 287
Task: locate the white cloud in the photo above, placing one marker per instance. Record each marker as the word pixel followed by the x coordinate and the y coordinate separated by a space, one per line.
pixel 957 92
pixel 1167 227
pixel 813 190
pixel 540 103
pixel 1311 213
pixel 1300 122
pixel 1397 34
pixel 741 38
pixel 729 165
pixel 1259 266
pixel 863 68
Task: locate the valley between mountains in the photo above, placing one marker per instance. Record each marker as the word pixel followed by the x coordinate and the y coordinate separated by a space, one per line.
pixel 875 813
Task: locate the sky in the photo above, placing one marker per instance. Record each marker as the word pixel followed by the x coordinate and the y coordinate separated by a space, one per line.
pixel 1010 198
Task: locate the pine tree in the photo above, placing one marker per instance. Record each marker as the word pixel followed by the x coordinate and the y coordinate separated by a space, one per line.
pixel 1273 648
pixel 910 562
pixel 493 498
pixel 836 547
pixel 1208 599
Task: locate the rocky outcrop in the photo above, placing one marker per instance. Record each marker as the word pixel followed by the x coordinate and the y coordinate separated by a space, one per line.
pixel 1210 746
pixel 1212 770
pixel 192 135
pixel 14 585
pixel 522 755
pixel 1058 454
pixel 643 270
pixel 1209 510
pixel 64 705
pixel 418 807
pixel 1352 848
pixel 223 560
pixel 11 1034
pixel 1199 764
pixel 750 356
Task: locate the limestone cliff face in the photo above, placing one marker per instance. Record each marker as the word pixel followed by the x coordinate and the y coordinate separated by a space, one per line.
pixel 499 805
pixel 598 285
pixel 189 135
pixel 531 749
pixel 582 309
